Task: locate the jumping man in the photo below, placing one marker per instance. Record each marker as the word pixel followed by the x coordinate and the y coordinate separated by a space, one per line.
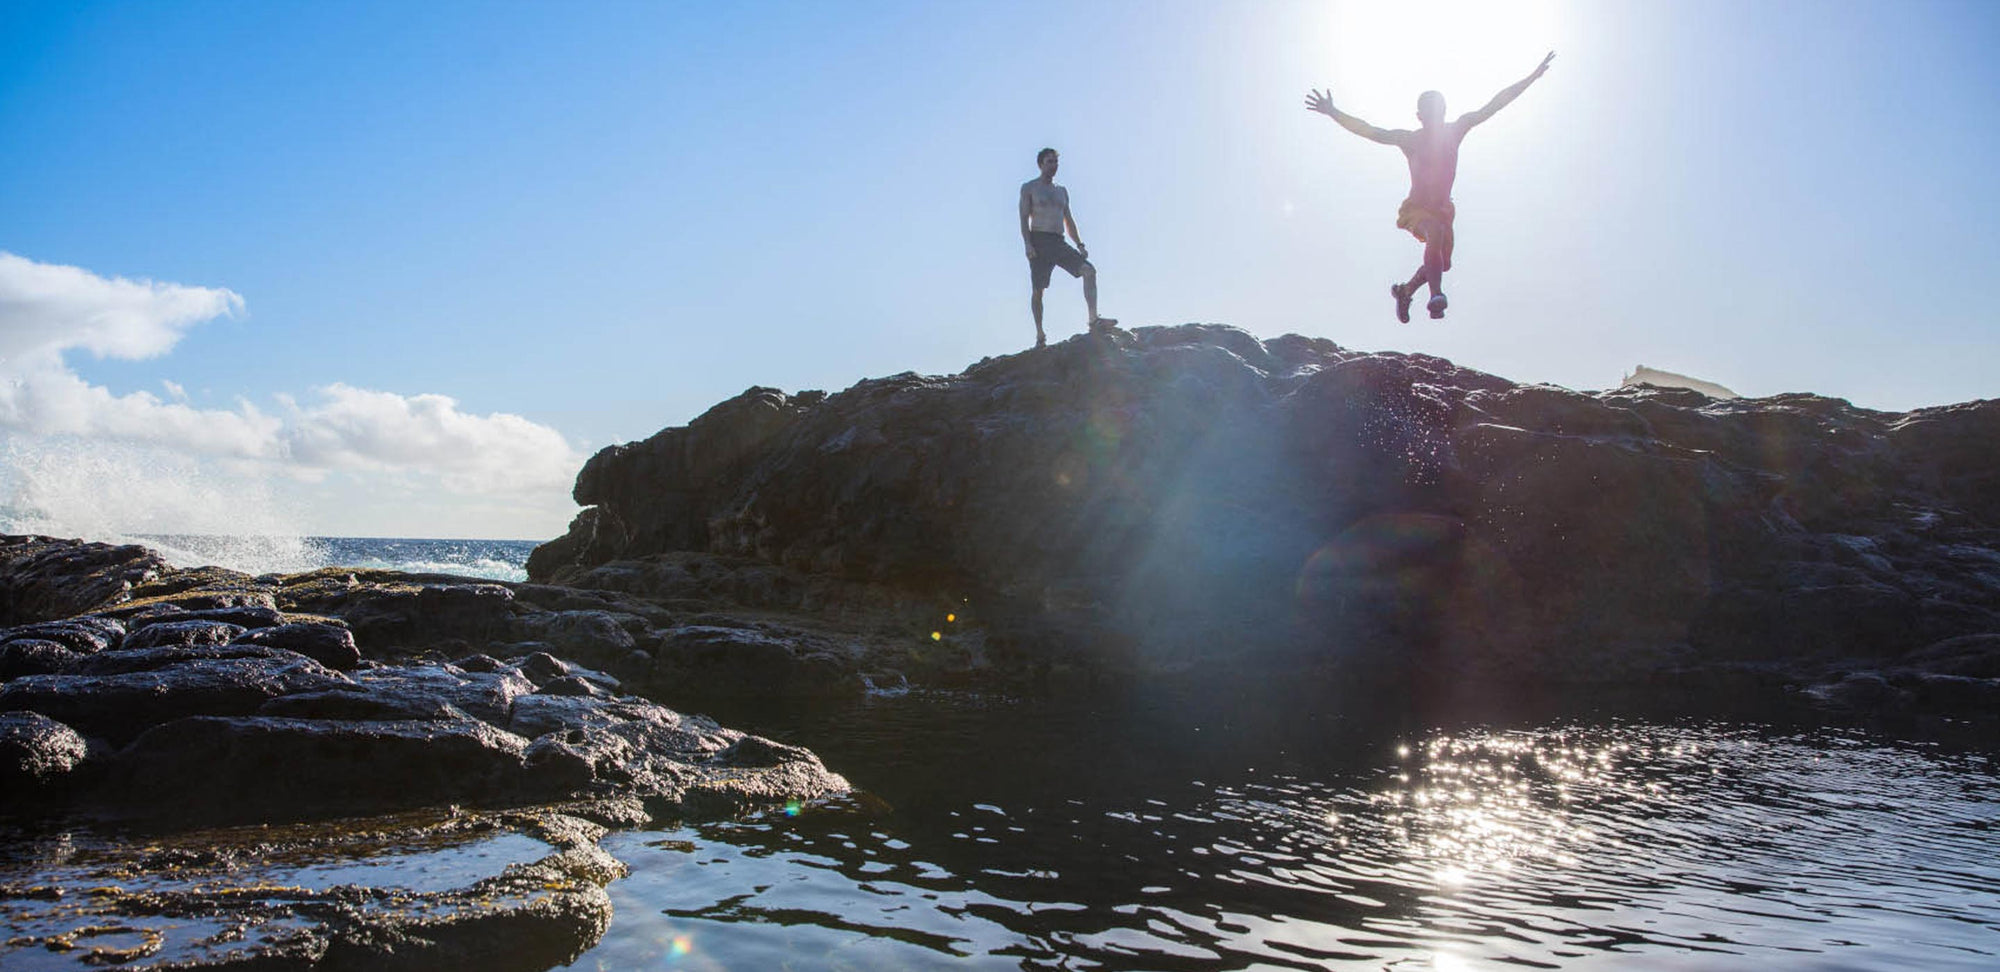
pixel 1433 154
pixel 1044 215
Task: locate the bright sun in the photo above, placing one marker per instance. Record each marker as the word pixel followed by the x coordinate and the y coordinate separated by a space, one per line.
pixel 1385 52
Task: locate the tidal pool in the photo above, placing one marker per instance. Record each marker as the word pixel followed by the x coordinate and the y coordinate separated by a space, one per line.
pixel 1159 833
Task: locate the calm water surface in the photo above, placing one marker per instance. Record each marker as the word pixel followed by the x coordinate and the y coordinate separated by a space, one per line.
pixel 1151 833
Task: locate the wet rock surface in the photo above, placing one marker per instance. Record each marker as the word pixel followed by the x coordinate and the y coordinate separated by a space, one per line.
pixel 37 752
pixel 521 889
pixel 307 707
pixel 198 732
pixel 1167 500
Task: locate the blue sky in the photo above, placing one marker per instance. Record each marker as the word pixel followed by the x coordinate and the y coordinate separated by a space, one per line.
pixel 600 218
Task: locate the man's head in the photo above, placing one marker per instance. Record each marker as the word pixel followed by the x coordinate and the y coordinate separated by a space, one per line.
pixel 1430 108
pixel 1047 161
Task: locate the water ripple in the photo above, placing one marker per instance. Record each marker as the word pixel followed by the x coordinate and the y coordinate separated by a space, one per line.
pixel 1632 844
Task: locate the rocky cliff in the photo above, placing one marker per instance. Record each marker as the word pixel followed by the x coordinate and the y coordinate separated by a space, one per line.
pixel 1176 497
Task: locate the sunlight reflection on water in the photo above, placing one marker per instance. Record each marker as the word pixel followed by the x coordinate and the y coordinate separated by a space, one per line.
pixel 1625 844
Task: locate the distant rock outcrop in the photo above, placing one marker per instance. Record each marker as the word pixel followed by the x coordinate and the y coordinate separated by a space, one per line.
pixel 1643 375
pixel 1179 497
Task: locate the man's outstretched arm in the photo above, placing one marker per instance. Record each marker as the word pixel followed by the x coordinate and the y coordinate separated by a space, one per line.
pixel 1323 103
pixel 1506 95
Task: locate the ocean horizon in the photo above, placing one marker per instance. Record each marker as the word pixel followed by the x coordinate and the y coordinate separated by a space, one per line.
pixel 491 559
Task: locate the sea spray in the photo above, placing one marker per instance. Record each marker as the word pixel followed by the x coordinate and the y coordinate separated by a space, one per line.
pixel 204 512
pixel 194 512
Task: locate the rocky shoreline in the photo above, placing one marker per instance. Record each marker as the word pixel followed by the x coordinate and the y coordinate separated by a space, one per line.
pixel 1183 503
pixel 143 705
pixel 1193 501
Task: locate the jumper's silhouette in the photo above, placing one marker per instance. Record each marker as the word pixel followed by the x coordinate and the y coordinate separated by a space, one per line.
pixel 1433 154
pixel 1044 215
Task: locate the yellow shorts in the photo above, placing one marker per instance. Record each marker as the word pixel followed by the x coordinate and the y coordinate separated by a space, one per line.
pixel 1429 223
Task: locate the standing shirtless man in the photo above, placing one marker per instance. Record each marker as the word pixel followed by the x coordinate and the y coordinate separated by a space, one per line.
pixel 1044 216
pixel 1433 155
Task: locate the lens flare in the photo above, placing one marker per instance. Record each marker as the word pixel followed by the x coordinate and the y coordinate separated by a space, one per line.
pixel 1385 554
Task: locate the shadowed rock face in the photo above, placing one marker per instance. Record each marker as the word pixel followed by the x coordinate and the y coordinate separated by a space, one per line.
pixel 1188 496
pixel 314 709
pixel 190 697
pixel 251 732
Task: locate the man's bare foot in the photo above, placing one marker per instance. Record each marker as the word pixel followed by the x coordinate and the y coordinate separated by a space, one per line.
pixel 1402 294
pixel 1041 340
pixel 1102 323
pixel 1436 306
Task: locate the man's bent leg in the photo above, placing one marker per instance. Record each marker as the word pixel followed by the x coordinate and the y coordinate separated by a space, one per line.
pixel 1035 304
pixel 1434 275
pixel 1434 263
pixel 1090 290
pixel 1437 257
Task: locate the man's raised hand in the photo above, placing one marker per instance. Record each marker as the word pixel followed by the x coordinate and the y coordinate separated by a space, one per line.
pixel 1543 67
pixel 1322 103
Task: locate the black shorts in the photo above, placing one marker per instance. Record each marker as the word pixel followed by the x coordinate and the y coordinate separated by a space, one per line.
pixel 1052 251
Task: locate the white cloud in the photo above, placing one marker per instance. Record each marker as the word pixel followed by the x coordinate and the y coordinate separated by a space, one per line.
pixel 357 428
pixel 48 310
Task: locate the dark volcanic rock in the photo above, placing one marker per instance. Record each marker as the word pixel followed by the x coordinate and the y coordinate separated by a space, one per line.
pixel 196 589
pixel 733 661
pixel 156 900
pixel 178 633
pixel 254 615
pixel 33 656
pixel 168 656
pixel 540 714
pixel 572 685
pixel 120 706
pixel 248 732
pixel 485 695
pixel 84 636
pixel 479 663
pixel 363 703
pixel 391 609
pixel 329 644
pixel 541 667
pixel 264 767
pixel 1191 496
pixel 595 636
pixel 36 750
pixel 1974 656
pixel 190 720
pixel 42 579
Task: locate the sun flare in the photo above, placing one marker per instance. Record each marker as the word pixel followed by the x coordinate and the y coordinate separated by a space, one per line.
pixel 1382 55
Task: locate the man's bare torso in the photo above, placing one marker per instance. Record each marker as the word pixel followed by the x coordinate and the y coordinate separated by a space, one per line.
pixel 1047 203
pixel 1433 155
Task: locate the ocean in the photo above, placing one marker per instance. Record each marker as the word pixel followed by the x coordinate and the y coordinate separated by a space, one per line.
pixel 491 559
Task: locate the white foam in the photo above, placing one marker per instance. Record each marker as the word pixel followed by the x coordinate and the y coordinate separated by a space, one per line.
pixel 195 513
